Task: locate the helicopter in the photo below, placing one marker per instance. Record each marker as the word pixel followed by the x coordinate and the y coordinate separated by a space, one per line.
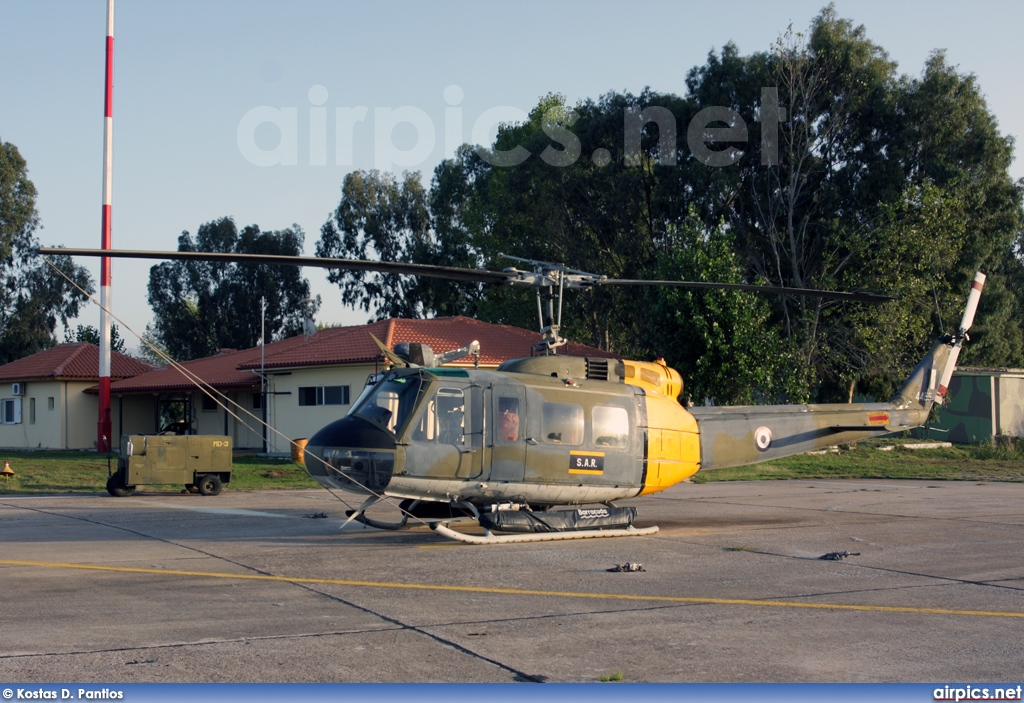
pixel 542 447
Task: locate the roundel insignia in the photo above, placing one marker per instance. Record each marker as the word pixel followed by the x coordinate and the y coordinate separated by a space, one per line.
pixel 763 438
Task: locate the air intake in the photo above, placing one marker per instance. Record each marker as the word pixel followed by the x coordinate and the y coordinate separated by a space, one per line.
pixel 597 369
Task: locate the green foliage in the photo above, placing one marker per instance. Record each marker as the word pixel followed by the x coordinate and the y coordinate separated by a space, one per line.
pixel 34 297
pixel 150 348
pixel 864 179
pixel 961 462
pixel 86 472
pixel 864 156
pixel 721 340
pixel 381 218
pixel 202 307
pixel 88 333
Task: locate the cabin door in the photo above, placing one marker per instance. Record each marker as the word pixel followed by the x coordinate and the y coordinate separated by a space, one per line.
pixel 507 432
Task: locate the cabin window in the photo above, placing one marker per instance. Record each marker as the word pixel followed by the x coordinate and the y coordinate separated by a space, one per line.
pixel 508 419
pixel 611 426
pixel 443 419
pixel 562 423
pixel 323 395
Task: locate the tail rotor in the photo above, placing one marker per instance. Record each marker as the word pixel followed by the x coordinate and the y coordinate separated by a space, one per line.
pixel 961 336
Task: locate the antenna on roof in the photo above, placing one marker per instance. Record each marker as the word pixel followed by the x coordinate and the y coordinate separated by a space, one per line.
pixel 308 325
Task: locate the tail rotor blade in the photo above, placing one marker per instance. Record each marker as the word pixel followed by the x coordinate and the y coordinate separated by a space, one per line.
pixel 965 324
pixel 972 302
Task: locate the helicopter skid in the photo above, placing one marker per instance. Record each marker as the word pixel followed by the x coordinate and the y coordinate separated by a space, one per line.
pixel 403 524
pixel 489 538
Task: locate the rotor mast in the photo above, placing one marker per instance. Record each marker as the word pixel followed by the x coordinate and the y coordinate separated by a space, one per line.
pixel 550 281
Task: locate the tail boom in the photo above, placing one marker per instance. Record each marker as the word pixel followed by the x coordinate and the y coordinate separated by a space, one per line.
pixel 735 436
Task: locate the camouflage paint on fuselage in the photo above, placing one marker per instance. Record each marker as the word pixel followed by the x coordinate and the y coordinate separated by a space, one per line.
pixel 739 435
pixel 584 431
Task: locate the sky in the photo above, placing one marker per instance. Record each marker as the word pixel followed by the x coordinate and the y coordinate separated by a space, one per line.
pixel 257 109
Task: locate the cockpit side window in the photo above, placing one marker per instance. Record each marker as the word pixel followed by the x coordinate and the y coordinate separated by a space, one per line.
pixel 390 402
pixel 443 419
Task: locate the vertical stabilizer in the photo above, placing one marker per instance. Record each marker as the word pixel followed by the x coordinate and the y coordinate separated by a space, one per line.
pixel 929 381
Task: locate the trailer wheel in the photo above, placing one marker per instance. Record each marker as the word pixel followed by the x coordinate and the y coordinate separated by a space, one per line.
pixel 116 486
pixel 209 485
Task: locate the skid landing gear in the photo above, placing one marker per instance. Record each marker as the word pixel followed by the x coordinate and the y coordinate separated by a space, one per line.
pixel 526 525
pixel 421 510
pixel 604 520
pixel 489 538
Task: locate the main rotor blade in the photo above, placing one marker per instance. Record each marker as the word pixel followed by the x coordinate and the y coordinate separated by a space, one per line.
pixel 805 292
pixel 448 272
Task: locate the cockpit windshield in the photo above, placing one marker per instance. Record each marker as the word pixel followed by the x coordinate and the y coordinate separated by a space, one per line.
pixel 391 401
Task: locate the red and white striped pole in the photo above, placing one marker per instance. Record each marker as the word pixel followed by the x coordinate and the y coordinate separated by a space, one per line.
pixel 104 428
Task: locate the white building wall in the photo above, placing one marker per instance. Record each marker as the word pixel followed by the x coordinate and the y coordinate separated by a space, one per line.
pixel 300 422
pixel 69 424
pixel 246 432
pixel 133 414
pixel 38 429
pixel 81 415
pixel 1010 399
pixel 206 421
pixel 242 420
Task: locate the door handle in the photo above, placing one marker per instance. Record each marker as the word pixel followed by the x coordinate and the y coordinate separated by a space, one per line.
pixel 531 440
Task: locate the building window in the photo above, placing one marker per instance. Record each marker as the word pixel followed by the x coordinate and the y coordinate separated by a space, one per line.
pixel 10 411
pixel 323 395
pixel 31 411
pixel 209 404
pixel 49 403
pixel 257 400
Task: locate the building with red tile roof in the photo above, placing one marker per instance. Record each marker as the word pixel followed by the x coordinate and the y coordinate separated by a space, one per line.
pixel 42 400
pixel 310 381
pixel 296 385
pixel 71 361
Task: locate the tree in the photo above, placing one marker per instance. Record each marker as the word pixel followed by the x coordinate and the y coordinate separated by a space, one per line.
pixel 88 333
pixel 34 296
pixel 860 148
pixel 723 342
pixel 202 307
pixel 815 162
pixel 381 218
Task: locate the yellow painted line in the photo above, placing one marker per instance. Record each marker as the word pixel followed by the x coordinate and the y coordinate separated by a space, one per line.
pixel 521 591
pixel 592 472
